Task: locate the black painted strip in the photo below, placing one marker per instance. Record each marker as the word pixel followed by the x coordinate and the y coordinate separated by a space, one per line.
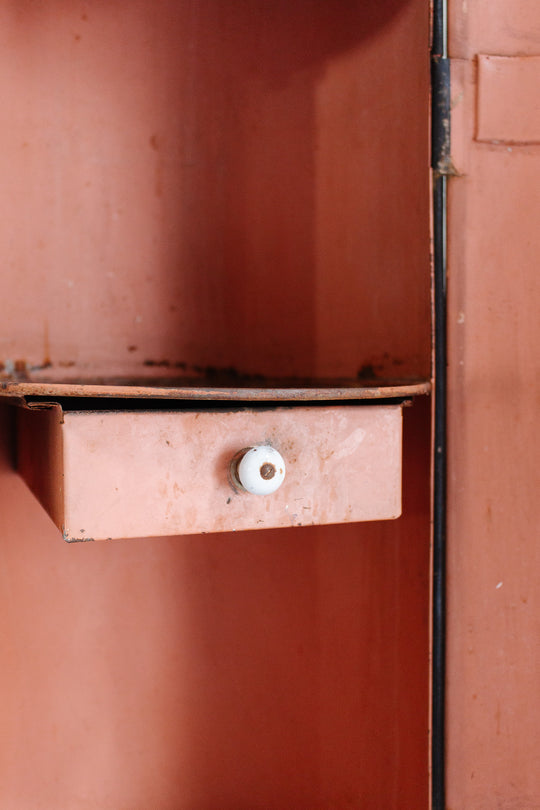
pixel 440 74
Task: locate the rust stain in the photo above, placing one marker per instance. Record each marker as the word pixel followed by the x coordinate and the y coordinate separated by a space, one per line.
pixel 156 363
pixel 155 144
pixel 171 389
pixel 46 345
pixel 366 372
pixel 179 364
pixel 377 367
pixel 214 371
pixel 267 471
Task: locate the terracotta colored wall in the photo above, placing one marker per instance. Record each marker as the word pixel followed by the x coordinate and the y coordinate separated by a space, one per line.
pixel 494 558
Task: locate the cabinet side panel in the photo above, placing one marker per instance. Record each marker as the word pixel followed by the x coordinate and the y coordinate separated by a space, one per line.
pixel 40 457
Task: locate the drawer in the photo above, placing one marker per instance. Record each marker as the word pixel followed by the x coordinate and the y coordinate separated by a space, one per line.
pixel 121 474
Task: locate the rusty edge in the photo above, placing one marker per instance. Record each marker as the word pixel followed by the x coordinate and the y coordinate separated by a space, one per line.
pixel 18 391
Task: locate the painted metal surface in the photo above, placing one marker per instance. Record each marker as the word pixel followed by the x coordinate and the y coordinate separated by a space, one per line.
pixel 208 186
pixel 121 474
pixel 508 99
pixel 279 669
pixel 493 712
pixel 171 172
pixel 21 390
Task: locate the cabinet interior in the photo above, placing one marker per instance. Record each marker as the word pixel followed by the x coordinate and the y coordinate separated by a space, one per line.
pixel 217 192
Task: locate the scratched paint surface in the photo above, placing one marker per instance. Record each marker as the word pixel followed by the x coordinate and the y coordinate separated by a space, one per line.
pixel 141 474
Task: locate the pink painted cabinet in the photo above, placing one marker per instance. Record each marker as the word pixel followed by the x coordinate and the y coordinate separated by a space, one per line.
pixel 493 707
pixel 217 237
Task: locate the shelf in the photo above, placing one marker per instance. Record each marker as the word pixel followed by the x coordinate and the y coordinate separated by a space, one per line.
pixel 278 390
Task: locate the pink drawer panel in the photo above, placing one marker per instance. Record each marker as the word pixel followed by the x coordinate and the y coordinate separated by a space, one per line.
pixel 104 475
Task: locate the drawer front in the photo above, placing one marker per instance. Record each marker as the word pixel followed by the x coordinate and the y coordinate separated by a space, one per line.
pixel 139 474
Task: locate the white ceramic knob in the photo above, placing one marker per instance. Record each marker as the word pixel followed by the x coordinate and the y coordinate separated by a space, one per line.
pixel 261 470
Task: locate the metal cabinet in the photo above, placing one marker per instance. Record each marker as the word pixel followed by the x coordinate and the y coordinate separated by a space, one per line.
pixel 219 236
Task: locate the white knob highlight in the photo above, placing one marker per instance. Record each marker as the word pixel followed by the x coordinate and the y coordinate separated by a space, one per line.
pixel 261 470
